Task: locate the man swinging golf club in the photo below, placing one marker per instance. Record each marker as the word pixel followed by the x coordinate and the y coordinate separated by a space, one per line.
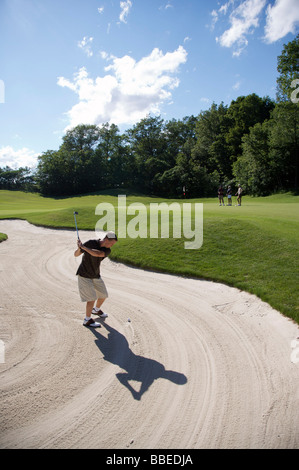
pixel 91 285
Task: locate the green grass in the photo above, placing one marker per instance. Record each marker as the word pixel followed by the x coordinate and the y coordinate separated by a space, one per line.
pixel 3 237
pixel 254 247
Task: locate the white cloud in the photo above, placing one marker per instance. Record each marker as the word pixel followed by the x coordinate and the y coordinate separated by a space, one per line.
pixel 17 158
pixel 237 85
pixel 223 9
pixel 101 10
pixel 243 20
pixel 129 90
pixel 125 9
pixel 85 45
pixel 168 6
pixel 282 19
pixel 104 55
pixel 214 15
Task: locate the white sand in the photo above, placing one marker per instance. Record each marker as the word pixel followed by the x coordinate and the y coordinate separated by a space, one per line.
pixel 200 365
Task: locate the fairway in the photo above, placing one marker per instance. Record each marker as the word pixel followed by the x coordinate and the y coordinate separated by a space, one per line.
pixel 254 247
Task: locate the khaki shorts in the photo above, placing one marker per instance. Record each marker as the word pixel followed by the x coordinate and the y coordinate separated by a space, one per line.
pixel 91 289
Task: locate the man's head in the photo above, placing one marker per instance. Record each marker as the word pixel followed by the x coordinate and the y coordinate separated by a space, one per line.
pixel 109 239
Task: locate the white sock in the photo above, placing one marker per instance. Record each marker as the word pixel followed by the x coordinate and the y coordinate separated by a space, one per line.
pixel 97 309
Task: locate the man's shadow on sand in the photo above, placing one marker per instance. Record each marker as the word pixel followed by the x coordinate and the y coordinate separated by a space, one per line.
pixel 116 350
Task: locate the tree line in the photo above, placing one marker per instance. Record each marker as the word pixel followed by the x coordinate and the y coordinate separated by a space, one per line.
pixel 254 141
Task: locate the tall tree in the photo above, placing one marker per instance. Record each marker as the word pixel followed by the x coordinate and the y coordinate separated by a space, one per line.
pixel 116 164
pixel 77 150
pixel 211 150
pixel 245 112
pixel 73 169
pixel 284 143
pixel 254 169
pixel 288 69
pixel 148 146
pixel 53 174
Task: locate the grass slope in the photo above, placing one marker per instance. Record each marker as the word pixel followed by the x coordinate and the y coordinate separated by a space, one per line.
pixel 254 247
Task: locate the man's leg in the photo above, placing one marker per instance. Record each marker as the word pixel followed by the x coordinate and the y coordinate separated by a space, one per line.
pixel 99 303
pixel 97 309
pixel 88 321
pixel 89 306
pixel 102 295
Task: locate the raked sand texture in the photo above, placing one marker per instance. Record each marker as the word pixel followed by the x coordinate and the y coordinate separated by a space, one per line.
pixel 199 364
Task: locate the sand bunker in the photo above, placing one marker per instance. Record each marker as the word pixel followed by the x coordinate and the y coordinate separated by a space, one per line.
pixel 200 364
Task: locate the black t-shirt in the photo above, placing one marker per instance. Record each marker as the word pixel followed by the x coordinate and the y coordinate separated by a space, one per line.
pixel 90 265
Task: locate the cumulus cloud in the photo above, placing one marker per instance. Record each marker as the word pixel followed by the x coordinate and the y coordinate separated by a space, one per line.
pixel 243 20
pixel 85 45
pixel 128 91
pixel 282 18
pixel 125 7
pixel 17 158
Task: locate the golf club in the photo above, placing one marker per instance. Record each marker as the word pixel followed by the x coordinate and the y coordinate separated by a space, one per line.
pixel 76 223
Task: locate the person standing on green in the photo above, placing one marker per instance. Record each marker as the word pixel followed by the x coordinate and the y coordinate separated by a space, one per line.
pixel 229 196
pixel 220 195
pixel 239 195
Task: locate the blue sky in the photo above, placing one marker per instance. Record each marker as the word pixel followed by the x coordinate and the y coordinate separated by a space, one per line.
pixel 66 62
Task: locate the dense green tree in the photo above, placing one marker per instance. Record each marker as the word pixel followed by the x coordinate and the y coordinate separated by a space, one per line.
pixel 180 138
pixel 269 161
pixel 253 169
pixel 243 113
pixel 81 166
pixel 117 166
pixel 21 178
pixel 288 69
pixel 52 174
pixel 148 146
pixel 284 144
pixel 211 150
pixel 74 168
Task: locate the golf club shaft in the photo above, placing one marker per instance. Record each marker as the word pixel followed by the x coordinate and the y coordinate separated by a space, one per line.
pixel 76 225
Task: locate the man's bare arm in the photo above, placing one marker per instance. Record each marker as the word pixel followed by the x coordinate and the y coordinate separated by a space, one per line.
pixel 92 252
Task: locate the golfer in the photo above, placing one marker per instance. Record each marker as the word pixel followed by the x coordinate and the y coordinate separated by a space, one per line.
pixel 220 195
pixel 239 195
pixel 91 285
pixel 229 196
